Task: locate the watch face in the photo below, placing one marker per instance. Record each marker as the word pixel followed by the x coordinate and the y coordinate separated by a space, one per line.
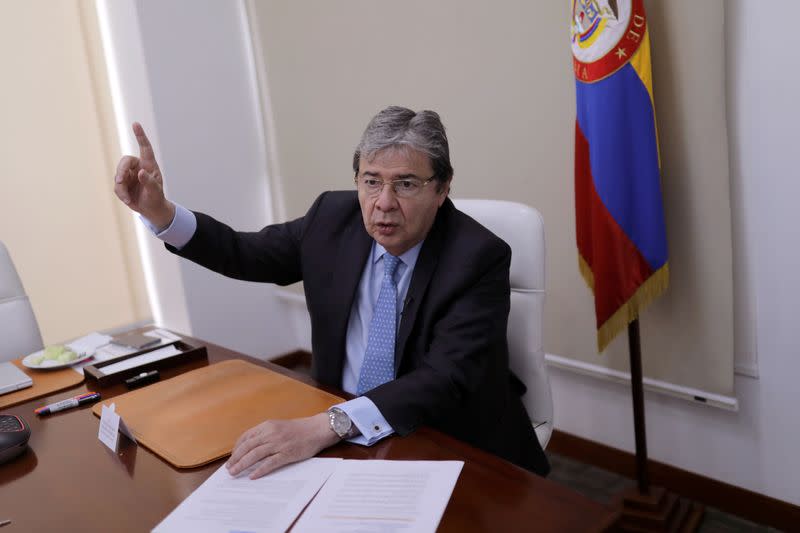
pixel 340 422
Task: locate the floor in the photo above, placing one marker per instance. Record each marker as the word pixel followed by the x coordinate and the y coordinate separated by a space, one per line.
pixel 601 485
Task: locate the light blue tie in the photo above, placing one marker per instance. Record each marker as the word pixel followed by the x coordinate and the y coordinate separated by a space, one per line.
pixel 378 365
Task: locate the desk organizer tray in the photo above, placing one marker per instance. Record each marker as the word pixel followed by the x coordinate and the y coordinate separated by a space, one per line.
pixel 44 382
pixel 96 373
pixel 195 418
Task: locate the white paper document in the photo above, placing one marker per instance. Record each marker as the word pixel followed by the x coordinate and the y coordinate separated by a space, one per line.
pixel 382 496
pixel 104 353
pixel 133 362
pixel 268 504
pixel 91 343
pixel 103 349
pixel 88 343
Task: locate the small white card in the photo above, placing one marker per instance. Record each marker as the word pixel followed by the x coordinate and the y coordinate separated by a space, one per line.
pixel 111 424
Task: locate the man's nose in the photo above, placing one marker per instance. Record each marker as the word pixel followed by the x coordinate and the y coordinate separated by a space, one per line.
pixel 387 200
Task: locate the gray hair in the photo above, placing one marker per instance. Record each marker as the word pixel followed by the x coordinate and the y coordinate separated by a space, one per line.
pixel 398 126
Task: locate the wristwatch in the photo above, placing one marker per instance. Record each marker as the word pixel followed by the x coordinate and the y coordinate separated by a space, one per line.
pixel 341 423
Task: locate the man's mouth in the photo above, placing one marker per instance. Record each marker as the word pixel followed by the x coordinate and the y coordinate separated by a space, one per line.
pixel 386 228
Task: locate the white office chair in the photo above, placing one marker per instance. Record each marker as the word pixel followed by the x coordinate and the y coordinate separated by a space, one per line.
pixel 19 331
pixel 522 228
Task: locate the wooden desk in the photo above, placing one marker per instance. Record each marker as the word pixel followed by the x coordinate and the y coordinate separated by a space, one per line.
pixel 69 481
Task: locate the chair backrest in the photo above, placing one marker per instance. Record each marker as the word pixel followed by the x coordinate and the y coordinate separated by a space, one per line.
pixel 522 228
pixel 19 331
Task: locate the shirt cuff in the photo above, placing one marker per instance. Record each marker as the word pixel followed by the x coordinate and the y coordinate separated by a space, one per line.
pixel 180 231
pixel 368 419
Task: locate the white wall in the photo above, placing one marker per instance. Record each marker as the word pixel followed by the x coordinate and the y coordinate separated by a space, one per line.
pixel 755 448
pixel 185 71
pixel 58 218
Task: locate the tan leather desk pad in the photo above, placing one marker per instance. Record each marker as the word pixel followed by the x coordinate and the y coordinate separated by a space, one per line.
pixel 195 418
pixel 44 382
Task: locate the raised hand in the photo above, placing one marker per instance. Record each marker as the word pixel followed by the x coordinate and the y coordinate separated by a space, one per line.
pixel 140 186
pixel 279 442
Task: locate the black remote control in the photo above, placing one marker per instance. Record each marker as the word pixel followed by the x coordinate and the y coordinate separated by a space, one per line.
pixel 14 435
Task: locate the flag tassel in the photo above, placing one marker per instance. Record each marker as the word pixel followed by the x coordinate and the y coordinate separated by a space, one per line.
pixel 629 311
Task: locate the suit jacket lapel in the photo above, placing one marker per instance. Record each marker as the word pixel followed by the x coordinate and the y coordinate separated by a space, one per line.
pixel 351 257
pixel 423 270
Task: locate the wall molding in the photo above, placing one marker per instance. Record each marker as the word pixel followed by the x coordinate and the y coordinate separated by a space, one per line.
pixel 729 403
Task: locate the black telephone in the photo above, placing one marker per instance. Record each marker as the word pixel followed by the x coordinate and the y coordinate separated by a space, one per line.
pixel 14 435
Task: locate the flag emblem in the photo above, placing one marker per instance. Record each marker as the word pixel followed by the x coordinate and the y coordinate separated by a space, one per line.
pixel 605 35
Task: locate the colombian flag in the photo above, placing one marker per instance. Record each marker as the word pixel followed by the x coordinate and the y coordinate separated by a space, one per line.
pixel 621 236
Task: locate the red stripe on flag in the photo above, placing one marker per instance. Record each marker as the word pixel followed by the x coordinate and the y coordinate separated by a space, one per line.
pixel 583 195
pixel 617 266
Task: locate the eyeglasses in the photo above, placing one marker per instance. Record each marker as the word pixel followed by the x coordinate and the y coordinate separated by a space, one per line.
pixel 403 188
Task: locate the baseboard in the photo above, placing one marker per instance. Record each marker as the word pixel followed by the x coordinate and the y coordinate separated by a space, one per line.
pixel 728 498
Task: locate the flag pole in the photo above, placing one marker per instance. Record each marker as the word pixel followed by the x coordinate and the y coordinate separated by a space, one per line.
pixel 637 393
pixel 647 508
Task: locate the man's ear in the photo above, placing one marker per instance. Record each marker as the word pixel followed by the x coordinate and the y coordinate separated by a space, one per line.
pixel 444 192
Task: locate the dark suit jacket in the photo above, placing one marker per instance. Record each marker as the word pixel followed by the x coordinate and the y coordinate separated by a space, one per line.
pixel 451 354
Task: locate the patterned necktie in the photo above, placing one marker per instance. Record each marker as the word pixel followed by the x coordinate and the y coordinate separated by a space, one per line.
pixel 378 365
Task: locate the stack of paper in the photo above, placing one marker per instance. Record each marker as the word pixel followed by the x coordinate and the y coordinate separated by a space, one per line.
pixel 267 504
pixel 88 343
pixel 357 495
pixel 382 496
pixel 103 350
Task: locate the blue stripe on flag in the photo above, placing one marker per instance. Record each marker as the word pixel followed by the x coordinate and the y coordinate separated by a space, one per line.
pixel 616 117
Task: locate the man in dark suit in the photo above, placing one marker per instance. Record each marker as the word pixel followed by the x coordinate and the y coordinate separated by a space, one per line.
pixel 408 297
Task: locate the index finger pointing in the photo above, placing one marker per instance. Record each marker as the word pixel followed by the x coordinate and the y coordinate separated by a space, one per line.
pixel 145 148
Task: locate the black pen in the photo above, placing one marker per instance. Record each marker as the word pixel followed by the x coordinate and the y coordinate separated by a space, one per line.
pixel 69 403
